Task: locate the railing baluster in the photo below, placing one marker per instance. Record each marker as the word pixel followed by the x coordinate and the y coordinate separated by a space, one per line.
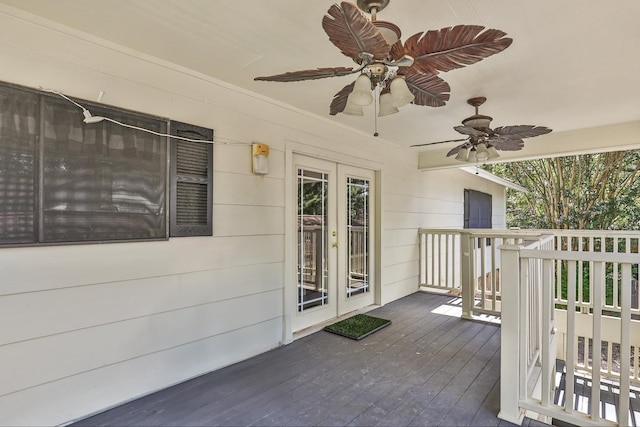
pixel 494 276
pixel 548 357
pixel 571 339
pixel 446 261
pixel 625 345
pixel 483 272
pixel 421 269
pixel 596 279
pixel 616 284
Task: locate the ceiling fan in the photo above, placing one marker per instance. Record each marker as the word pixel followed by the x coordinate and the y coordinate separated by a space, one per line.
pixel 398 73
pixel 482 143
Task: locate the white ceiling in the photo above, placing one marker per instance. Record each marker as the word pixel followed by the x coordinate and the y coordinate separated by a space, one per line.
pixel 573 64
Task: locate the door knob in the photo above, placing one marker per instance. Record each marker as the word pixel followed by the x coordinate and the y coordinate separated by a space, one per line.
pixel 334 245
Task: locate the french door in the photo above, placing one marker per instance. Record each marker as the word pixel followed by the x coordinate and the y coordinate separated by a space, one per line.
pixel 335 240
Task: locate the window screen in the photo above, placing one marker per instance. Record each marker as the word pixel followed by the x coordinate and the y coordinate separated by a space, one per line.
pixel 19 128
pixel 102 181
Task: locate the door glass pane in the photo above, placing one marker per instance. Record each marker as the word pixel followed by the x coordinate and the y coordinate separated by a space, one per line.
pixel 358 236
pixel 312 239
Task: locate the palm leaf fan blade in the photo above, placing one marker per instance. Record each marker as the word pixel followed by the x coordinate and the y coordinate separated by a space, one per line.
pixel 312 74
pixel 509 138
pixel 397 50
pixel 429 90
pixel 351 32
pixel 340 100
pixel 520 131
pixel 508 144
pixel 468 130
pixel 454 47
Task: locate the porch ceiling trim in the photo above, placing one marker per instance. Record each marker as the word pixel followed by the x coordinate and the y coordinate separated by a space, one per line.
pixel 493 178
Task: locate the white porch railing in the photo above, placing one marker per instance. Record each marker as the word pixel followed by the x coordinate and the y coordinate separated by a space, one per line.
pixel 467 263
pixel 566 298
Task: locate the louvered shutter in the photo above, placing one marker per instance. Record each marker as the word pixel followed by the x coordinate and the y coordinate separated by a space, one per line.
pixel 191 181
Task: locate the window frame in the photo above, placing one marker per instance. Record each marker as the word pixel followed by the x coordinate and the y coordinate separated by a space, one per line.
pixel 38 173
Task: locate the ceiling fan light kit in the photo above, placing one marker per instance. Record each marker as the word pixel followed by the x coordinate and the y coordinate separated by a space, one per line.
pixel 409 70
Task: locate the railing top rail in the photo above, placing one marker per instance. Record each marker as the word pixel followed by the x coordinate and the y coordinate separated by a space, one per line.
pixel 542 239
pixel 439 230
pixel 620 258
pixel 511 233
pixel 596 233
pixel 482 232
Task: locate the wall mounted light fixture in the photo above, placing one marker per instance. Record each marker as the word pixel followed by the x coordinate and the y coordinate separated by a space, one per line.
pixel 260 159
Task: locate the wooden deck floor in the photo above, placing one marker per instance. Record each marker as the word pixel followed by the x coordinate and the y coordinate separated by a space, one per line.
pixel 426 369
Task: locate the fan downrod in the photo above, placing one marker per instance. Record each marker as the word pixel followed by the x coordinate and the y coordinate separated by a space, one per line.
pixel 370 5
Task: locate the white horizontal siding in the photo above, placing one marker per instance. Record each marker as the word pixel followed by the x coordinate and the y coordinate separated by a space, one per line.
pixel 58 356
pixel 81 265
pixel 56 402
pixel 95 305
pixel 242 220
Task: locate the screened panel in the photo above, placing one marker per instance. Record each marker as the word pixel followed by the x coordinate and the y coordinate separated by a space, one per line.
pixel 102 181
pixel 19 118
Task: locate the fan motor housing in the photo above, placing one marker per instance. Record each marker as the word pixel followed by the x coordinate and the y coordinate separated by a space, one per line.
pixel 478 121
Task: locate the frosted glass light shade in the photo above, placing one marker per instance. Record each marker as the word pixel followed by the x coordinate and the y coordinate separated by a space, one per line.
pixel 361 93
pixel 463 153
pixel 481 152
pixel 493 153
pixel 352 109
pixel 386 104
pixel 400 92
pixel 473 156
pixel 260 159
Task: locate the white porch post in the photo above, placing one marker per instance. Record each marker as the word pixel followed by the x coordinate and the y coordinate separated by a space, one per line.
pixel 467 260
pixel 510 336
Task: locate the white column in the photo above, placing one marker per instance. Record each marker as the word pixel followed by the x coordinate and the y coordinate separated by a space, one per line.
pixel 467 279
pixel 510 335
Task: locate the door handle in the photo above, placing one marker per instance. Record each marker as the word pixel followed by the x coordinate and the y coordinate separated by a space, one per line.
pixel 334 245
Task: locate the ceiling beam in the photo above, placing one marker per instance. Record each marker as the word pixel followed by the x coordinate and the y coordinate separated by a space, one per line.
pixel 617 137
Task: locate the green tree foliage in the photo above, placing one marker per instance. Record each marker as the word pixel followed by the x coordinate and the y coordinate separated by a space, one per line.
pixel 592 191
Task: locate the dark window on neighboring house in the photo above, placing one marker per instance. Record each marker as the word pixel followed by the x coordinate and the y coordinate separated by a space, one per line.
pixel 477 209
pixel 64 181
pixel 191 181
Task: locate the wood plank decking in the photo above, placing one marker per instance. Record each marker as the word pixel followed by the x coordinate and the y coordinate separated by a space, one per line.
pixel 425 369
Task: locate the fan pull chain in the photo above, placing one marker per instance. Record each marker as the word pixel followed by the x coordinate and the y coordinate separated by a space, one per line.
pixel 375 110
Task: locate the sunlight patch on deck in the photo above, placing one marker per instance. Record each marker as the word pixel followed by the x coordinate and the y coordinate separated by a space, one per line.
pixel 453 308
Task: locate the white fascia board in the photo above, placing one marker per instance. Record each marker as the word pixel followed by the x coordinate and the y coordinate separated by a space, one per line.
pixel 493 178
